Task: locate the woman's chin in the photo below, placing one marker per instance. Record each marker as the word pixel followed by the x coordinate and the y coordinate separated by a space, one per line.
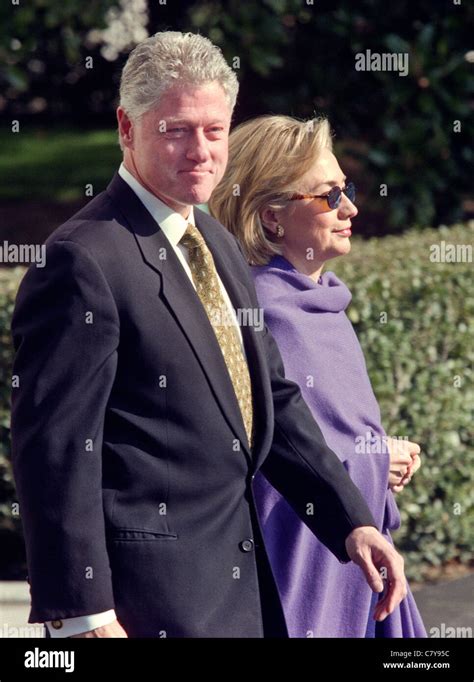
pixel 343 246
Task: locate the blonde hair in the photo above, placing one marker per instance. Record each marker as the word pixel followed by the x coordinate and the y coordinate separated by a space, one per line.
pixel 169 58
pixel 268 156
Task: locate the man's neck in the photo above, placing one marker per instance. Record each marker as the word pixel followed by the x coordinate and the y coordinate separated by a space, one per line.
pixel 178 208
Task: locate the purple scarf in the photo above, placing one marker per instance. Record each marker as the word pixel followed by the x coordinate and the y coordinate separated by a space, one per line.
pixel 321 353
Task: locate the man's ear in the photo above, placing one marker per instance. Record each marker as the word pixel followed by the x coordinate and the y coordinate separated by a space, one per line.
pixel 125 126
pixel 269 219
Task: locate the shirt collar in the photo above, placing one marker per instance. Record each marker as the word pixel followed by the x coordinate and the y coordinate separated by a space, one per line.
pixel 173 224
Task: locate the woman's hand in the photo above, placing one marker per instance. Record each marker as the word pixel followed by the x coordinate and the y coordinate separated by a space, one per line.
pixel 404 462
pixel 412 469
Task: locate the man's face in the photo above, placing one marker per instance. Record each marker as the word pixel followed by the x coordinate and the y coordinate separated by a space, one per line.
pixel 179 150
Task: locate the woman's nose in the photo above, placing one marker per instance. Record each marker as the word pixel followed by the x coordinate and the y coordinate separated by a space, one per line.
pixel 346 208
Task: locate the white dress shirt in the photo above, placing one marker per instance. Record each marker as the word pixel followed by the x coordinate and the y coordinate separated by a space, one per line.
pixel 173 226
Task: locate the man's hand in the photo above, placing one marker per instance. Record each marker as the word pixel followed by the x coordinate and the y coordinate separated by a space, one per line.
pixel 372 553
pixel 113 629
pixel 404 462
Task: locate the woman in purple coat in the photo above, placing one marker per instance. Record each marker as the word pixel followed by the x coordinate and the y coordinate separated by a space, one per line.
pixel 290 206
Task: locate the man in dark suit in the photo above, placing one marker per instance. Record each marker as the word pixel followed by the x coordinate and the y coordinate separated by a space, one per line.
pixel 139 417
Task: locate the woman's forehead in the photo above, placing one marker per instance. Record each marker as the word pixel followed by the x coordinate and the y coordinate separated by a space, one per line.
pixel 325 170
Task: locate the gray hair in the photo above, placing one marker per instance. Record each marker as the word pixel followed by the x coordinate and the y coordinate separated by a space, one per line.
pixel 168 58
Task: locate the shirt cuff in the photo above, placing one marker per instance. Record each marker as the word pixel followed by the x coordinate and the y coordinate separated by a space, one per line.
pixel 66 627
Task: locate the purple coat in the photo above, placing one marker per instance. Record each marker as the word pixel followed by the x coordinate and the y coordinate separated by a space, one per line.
pixel 322 597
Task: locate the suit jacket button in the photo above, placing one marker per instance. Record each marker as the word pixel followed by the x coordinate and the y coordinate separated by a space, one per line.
pixel 57 624
pixel 246 545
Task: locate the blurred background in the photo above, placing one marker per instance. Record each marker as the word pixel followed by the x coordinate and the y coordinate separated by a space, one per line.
pixel 60 64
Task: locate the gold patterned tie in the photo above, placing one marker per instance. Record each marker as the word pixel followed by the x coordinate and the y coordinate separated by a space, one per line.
pixel 204 275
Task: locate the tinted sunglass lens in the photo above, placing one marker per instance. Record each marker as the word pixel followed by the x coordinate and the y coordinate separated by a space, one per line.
pixel 334 197
pixel 350 191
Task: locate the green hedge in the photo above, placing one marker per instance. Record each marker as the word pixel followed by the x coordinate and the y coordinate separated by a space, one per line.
pixel 12 554
pixel 420 362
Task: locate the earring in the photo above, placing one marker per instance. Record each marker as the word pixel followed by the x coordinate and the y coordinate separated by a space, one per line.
pixel 280 231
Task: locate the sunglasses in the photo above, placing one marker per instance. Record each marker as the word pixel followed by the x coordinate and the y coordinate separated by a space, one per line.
pixel 333 197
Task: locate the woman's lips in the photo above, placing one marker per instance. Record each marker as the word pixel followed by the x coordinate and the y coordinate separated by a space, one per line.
pixel 346 232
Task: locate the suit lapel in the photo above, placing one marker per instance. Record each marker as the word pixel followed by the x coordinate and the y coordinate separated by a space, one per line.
pixel 189 313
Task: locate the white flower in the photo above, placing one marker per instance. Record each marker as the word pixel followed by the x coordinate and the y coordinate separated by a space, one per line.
pixel 126 27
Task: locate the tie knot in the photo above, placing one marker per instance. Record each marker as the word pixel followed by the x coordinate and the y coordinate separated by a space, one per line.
pixel 192 238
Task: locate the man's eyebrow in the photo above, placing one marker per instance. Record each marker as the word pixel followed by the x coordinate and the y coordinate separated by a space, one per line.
pixel 173 121
pixel 183 121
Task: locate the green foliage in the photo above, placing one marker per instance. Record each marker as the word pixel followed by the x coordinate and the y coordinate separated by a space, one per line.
pixel 411 133
pixel 419 359
pixel 40 161
pixel 43 49
pixel 45 29
pixel 10 528
pixel 415 321
pixel 401 131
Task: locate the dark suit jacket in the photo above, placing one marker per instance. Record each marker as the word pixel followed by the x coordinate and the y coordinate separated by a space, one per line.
pixel 132 491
